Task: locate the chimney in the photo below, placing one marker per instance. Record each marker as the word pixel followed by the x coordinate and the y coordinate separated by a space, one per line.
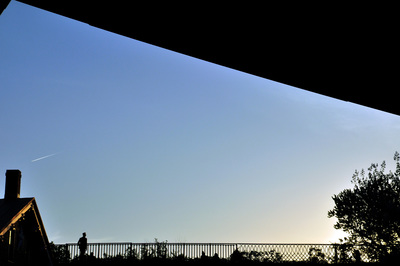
pixel 13 184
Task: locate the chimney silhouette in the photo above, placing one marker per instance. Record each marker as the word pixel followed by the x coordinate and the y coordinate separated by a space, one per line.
pixel 13 184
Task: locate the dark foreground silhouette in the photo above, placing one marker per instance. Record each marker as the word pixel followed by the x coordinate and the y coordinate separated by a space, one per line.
pixel 199 262
pixel 204 260
pixel 158 256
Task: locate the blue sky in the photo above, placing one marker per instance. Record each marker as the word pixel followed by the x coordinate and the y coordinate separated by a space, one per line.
pixel 142 143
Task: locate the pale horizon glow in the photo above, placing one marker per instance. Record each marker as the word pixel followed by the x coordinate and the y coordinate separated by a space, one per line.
pixel 156 144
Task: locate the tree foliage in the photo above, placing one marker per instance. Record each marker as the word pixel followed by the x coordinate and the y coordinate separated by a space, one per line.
pixel 370 211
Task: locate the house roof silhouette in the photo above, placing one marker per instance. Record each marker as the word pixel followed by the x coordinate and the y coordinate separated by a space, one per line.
pixel 12 210
pixel 23 238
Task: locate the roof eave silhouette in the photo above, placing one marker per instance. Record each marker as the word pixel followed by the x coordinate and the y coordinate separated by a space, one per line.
pixel 341 52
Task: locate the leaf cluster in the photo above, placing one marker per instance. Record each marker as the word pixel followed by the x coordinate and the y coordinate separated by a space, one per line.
pixel 370 211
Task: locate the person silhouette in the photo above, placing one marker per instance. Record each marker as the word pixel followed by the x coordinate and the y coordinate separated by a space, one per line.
pixel 82 243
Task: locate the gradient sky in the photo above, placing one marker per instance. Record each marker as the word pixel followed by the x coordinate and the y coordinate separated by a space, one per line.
pixel 130 142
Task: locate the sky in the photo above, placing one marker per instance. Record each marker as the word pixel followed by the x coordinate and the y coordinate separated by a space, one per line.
pixel 129 142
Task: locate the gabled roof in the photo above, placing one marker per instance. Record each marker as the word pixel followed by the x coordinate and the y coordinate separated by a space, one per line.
pixel 12 210
pixel 17 211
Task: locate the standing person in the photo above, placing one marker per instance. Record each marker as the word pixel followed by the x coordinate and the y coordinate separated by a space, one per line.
pixel 82 243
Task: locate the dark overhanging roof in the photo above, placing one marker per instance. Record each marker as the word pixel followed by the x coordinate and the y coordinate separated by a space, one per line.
pixel 11 211
pixel 345 52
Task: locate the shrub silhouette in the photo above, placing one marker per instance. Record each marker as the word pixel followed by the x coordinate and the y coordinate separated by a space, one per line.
pixel 316 256
pixel 60 253
pixel 370 211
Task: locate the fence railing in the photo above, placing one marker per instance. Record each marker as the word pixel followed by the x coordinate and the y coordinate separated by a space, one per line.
pixel 270 252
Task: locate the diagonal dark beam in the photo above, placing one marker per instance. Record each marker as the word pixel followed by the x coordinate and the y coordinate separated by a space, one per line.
pixel 345 53
pixel 3 5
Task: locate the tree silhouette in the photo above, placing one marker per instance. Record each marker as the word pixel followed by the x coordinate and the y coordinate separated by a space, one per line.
pixel 370 211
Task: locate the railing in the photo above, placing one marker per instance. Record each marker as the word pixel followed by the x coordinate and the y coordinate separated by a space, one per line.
pixel 265 252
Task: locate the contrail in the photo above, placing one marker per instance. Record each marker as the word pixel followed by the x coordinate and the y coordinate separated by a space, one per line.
pixel 44 157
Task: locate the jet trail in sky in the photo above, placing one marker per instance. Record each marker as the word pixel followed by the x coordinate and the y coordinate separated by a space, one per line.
pixel 44 157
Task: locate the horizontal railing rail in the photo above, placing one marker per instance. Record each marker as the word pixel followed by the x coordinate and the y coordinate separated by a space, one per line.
pixel 255 251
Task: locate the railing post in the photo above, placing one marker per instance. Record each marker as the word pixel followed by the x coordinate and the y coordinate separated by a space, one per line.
pixel 66 250
pixel 336 253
